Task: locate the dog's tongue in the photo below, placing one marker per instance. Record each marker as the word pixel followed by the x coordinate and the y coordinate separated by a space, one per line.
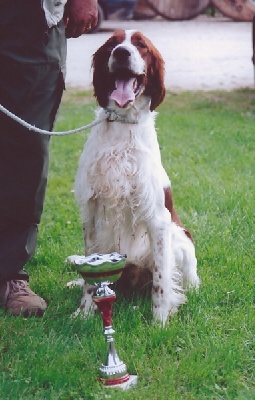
pixel 124 92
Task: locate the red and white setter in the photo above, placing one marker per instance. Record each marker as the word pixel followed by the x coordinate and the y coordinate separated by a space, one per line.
pixel 122 189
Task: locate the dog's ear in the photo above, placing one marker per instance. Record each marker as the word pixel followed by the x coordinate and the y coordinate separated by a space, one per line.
pixel 103 82
pixel 101 75
pixel 155 87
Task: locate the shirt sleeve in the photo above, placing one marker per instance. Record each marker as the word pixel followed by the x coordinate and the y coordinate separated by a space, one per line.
pixel 54 11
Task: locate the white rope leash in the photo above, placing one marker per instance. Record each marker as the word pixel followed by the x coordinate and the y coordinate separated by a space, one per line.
pixel 110 115
pixel 44 132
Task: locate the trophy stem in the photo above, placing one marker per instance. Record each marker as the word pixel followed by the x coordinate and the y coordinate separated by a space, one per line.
pixel 114 371
pixel 105 305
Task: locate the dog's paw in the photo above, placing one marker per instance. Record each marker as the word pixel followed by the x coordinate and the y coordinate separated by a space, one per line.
pixel 191 282
pixel 160 316
pixel 74 259
pixel 75 282
pixel 76 313
pixel 85 310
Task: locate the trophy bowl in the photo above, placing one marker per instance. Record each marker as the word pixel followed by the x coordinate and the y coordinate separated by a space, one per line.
pixel 98 268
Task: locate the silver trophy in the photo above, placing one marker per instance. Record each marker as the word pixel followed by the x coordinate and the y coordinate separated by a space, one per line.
pixel 101 270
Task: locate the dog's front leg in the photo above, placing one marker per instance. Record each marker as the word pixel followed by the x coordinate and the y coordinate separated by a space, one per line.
pixel 87 305
pixel 166 292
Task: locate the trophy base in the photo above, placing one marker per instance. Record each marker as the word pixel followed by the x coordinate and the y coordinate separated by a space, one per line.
pixel 132 381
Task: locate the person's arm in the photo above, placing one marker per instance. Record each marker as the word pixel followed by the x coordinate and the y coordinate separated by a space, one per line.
pixel 80 16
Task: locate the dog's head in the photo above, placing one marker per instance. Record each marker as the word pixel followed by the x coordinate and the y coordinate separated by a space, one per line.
pixel 126 67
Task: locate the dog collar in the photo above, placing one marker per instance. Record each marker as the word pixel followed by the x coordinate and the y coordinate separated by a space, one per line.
pixel 112 116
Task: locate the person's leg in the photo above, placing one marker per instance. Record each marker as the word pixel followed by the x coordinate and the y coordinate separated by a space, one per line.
pixel 31 86
pixel 24 166
pixel 24 158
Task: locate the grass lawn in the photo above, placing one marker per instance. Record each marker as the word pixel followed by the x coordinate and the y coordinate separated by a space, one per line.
pixel 207 351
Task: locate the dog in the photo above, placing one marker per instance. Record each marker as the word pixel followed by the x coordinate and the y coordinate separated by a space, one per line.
pixel 122 189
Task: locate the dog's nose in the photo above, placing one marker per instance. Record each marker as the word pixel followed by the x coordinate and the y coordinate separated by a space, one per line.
pixel 121 54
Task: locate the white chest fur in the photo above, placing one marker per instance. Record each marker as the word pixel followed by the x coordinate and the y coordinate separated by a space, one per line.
pixel 120 182
pixel 121 168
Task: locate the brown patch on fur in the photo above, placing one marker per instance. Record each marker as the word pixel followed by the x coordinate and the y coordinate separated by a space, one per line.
pixel 156 288
pixel 160 244
pixel 175 217
pixel 134 280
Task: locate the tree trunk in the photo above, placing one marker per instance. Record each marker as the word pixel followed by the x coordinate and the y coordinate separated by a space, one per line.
pixel 171 9
pixel 239 10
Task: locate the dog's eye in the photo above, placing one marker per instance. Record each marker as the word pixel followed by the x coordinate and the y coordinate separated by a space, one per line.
pixel 141 44
pixel 112 43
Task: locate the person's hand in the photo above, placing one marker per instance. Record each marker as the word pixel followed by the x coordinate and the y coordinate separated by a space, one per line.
pixel 80 16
